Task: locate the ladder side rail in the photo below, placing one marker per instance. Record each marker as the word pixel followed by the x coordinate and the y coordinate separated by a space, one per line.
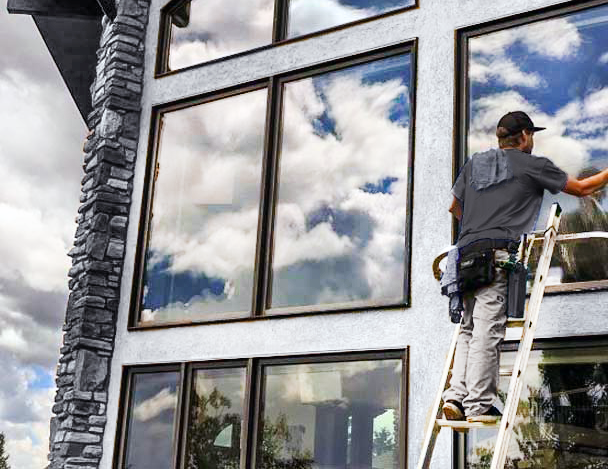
pixel 432 428
pixel 525 348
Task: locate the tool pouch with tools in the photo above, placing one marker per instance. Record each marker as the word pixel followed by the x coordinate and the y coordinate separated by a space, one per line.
pixel 475 270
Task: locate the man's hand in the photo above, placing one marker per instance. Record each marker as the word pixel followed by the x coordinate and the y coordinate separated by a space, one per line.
pixel 587 186
pixel 456 208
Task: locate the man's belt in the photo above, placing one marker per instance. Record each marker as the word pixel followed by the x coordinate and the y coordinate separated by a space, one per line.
pixel 486 244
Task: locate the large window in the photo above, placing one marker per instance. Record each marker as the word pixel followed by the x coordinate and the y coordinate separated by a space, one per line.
pixel 290 195
pixel 562 418
pixel 325 412
pixel 199 31
pixel 553 65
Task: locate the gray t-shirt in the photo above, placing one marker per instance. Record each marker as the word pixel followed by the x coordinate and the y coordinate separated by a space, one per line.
pixel 510 208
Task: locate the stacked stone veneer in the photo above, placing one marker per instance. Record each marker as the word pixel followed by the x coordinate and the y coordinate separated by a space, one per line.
pixel 79 419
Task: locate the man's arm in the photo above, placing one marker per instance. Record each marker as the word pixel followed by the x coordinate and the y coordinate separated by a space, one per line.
pixel 587 186
pixel 456 208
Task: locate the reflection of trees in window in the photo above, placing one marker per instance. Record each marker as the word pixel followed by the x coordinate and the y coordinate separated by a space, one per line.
pixel 563 423
pixel 210 420
pixel 277 450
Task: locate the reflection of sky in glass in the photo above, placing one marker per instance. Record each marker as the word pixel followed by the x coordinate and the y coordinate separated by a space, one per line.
pixel 205 213
pixel 557 71
pixel 334 412
pixel 340 224
pixel 216 413
pixel 218 28
pixel 306 16
pixel 152 420
pixel 563 412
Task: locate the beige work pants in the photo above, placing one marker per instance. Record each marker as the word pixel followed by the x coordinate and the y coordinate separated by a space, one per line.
pixel 475 375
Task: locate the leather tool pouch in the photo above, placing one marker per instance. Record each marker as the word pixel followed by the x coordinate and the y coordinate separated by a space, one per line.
pixel 476 270
pixel 517 279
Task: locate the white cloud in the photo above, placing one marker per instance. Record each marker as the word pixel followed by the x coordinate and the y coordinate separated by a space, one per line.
pixel 219 28
pixel 603 58
pixel 313 15
pixel 555 39
pixel 154 406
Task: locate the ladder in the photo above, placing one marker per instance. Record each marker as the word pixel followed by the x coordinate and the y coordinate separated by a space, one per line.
pixel 549 237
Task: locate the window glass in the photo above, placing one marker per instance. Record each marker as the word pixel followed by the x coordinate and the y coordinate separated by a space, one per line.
pixel 331 415
pixel 203 30
pixel 341 215
pixel 203 231
pixel 557 71
pixel 307 16
pixel 151 422
pixel 562 415
pixel 216 413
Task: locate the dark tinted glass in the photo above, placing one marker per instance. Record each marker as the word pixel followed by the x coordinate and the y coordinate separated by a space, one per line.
pixel 203 30
pixel 562 415
pixel 151 423
pixel 331 415
pixel 201 251
pixel 216 413
pixel 341 215
pixel 307 16
pixel 557 71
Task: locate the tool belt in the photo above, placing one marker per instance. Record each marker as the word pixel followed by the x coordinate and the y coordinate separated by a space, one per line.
pixel 476 262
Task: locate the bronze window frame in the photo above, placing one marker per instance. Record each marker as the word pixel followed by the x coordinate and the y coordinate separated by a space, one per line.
pixel 253 399
pixel 261 296
pixel 461 100
pixel 278 38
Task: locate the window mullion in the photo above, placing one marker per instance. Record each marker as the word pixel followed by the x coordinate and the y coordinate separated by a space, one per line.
pixel 262 289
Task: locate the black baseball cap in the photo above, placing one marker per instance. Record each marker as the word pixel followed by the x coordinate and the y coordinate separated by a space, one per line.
pixel 517 121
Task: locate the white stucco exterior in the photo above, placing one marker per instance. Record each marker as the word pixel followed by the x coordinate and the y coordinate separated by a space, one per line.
pixel 424 327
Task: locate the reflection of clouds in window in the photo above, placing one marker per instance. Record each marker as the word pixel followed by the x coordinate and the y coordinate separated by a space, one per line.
pixel 152 420
pixel 218 28
pixel 555 70
pixel 340 223
pixel 307 16
pixel 205 214
pixel 154 406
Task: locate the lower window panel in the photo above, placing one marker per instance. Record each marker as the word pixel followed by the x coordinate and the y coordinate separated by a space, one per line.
pixel 318 412
pixel 562 418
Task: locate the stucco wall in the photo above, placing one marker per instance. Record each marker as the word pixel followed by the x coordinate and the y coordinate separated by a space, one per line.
pixel 424 326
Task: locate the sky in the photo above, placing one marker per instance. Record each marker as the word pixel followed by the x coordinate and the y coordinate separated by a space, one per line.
pixel 41 164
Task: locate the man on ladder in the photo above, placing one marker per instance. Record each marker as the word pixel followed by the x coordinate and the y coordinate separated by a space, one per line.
pixel 497 197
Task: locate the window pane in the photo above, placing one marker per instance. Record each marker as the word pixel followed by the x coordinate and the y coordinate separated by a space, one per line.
pixel 152 420
pixel 331 415
pixel 562 416
pixel 201 250
pixel 557 71
pixel 340 222
pixel 307 16
pixel 216 413
pixel 203 30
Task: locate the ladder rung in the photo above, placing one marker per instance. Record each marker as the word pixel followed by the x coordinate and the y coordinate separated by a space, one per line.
pixel 505 371
pixel 463 425
pixel 515 322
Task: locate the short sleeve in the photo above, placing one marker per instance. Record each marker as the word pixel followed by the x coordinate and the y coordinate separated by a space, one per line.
pixel 549 176
pixel 460 185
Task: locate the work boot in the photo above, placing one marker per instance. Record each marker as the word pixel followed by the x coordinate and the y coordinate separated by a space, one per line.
pixel 453 410
pixel 492 415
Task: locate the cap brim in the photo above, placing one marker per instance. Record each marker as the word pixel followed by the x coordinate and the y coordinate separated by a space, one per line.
pixel 538 129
